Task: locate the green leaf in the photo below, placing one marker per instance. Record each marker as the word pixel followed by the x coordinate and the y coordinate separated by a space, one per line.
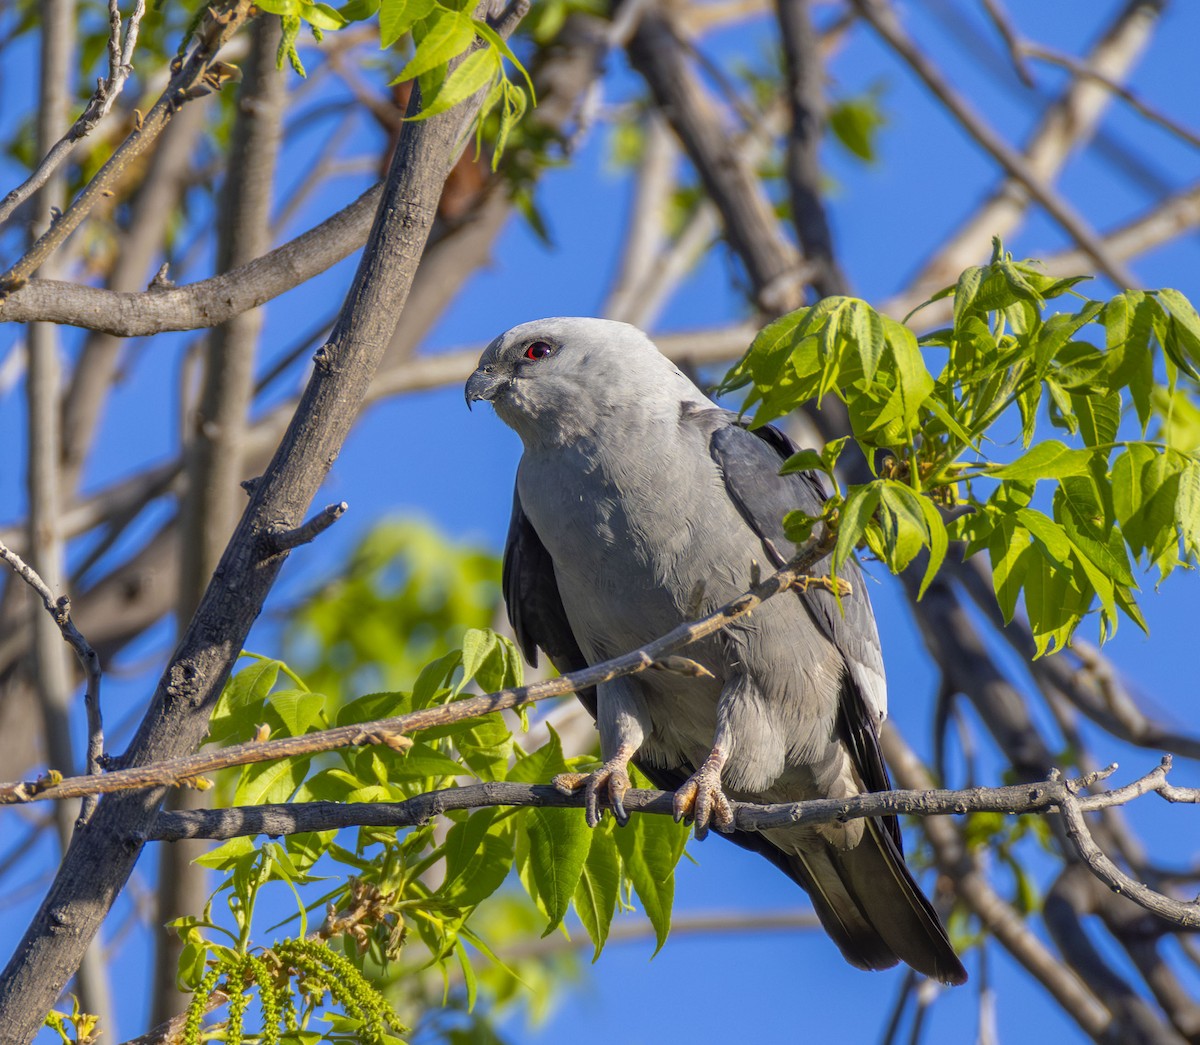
pixel 855 516
pixel 1049 460
pixel 1186 325
pixel 1099 417
pixel 1084 519
pixel 441 36
pixel 1187 506
pixel 855 123
pixel 322 16
pixel 478 859
pixel 239 708
pixel 803 461
pixel 397 17
pixel 650 847
pixel 269 782
pixel 903 524
pixel 939 542
pixel 419 762
pixel 867 333
pixel 299 710
pixel 1011 553
pixel 599 885
pixel 227 854
pixel 913 380
pixel 474 73
pixel 1129 324
pixel 559 840
pixel 966 291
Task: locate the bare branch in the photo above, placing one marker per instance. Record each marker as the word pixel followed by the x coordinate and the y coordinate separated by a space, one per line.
pixel 1085 71
pixel 1010 929
pixel 772 263
pixel 1012 42
pixel 198 75
pixel 207 302
pixel 883 21
pixel 100 859
pixel 806 102
pixel 120 59
pixel 1184 914
pixel 60 611
pixel 310 530
pixel 295 818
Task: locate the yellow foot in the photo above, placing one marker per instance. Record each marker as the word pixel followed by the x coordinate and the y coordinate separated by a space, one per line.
pixel 603 788
pixel 701 800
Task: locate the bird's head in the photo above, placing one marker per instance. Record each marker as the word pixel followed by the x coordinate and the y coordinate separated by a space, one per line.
pixel 553 380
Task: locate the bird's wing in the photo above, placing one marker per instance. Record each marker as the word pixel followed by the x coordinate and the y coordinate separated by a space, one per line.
pixel 535 607
pixel 749 462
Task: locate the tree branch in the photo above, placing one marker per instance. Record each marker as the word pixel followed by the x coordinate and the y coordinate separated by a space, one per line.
pixel 1009 929
pixel 120 59
pixel 772 263
pixel 882 19
pixel 391 731
pixel 206 302
pixel 1071 119
pixel 806 102
pixel 1051 795
pixel 1086 71
pixel 198 75
pixel 101 857
pixel 295 818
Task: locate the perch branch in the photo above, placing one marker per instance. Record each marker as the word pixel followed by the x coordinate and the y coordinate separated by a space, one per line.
pixel 391 731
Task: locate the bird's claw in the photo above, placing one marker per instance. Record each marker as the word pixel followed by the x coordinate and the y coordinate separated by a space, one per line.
pixel 603 788
pixel 701 800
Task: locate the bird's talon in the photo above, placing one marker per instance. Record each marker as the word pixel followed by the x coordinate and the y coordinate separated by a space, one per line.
pixel 702 801
pixel 569 783
pixel 604 788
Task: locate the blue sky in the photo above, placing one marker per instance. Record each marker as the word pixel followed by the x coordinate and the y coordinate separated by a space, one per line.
pixel 426 455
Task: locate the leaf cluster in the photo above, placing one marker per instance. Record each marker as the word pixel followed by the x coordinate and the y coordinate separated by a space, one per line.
pixel 410 902
pixel 1066 522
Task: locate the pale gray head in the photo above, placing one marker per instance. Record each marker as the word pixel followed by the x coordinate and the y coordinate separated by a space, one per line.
pixel 557 379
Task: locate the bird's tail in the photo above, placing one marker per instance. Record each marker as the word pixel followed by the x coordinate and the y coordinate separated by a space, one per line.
pixel 871 906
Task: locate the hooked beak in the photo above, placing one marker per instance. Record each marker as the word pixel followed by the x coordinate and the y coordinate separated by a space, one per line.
pixel 486 384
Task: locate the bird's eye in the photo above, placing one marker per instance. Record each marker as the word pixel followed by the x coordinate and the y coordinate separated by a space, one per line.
pixel 538 349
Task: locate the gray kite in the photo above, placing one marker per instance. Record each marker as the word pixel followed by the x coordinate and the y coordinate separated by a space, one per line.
pixel 635 493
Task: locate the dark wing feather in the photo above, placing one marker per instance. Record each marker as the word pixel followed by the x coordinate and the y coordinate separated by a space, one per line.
pixel 535 607
pixel 749 462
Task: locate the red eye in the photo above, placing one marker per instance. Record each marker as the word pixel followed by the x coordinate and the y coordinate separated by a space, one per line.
pixel 538 350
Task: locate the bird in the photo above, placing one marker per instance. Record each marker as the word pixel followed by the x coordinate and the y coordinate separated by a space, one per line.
pixel 640 503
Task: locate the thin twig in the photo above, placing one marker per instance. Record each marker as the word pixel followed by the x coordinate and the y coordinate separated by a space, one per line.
pixel 310 530
pixel 391 731
pixel 192 78
pixel 60 610
pixel 1181 913
pixel 1134 101
pixel 1013 44
pixel 120 59
pixel 882 19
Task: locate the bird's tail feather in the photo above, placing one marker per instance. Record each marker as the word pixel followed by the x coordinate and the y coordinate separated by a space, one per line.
pixel 873 909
